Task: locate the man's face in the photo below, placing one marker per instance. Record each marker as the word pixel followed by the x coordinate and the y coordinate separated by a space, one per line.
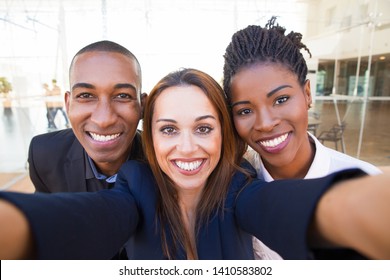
pixel 104 106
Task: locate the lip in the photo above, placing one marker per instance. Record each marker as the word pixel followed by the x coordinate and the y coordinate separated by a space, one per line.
pixel 103 139
pixel 275 143
pixel 188 167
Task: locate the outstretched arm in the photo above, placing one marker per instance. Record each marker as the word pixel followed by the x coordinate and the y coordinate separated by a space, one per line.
pixel 66 225
pixel 16 240
pixel 356 214
pixel 345 209
pixel 75 226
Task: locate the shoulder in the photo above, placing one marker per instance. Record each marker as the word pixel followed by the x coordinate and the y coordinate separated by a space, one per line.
pixel 134 168
pixel 328 160
pixel 54 139
pixel 59 144
pixel 137 177
pixel 136 174
pixel 339 161
pixel 52 157
pixel 241 178
pixel 136 152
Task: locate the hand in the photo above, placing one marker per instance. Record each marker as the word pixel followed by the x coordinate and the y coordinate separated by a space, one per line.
pixel 356 214
pixel 16 241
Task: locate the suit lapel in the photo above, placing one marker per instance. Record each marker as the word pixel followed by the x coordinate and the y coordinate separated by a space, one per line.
pixel 75 168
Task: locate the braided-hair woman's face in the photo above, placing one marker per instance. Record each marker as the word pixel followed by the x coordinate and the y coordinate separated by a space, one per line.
pixel 270 112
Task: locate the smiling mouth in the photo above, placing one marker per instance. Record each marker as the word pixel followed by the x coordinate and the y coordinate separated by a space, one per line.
pixel 188 166
pixel 103 138
pixel 272 143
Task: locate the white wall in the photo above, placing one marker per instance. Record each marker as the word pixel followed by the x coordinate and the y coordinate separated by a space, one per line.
pixel 346 41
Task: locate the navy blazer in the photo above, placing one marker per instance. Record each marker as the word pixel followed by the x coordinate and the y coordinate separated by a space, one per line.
pixel 57 163
pixel 277 213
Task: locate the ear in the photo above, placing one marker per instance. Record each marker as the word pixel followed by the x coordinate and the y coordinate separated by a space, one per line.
pixel 67 101
pixel 307 93
pixel 144 97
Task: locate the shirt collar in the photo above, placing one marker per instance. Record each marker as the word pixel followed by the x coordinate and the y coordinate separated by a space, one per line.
pixel 97 174
pixel 318 168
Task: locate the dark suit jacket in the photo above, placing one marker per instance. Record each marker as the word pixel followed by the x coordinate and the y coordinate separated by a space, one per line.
pixel 278 213
pixel 57 163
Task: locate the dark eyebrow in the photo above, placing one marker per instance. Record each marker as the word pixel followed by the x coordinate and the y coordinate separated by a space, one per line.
pixel 166 120
pixel 125 85
pixel 83 85
pixel 90 86
pixel 239 103
pixel 204 117
pixel 197 119
pixel 272 92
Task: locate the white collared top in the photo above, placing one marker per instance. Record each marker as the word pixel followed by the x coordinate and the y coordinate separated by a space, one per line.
pixel 325 161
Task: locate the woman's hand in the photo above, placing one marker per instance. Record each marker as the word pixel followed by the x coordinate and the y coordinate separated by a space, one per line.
pixel 356 214
pixel 16 241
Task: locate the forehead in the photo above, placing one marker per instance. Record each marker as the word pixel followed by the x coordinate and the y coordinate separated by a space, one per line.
pixel 184 101
pixel 97 66
pixel 261 75
pixel 264 69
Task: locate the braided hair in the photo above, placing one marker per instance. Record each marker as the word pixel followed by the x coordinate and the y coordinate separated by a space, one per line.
pixel 255 44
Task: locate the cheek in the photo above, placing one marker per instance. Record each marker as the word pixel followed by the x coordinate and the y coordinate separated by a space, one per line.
pixel 214 148
pixel 77 112
pixel 160 148
pixel 243 126
pixel 132 112
pixel 299 116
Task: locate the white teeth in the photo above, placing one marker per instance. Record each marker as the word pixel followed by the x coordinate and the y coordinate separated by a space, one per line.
pixel 188 166
pixel 103 138
pixel 274 142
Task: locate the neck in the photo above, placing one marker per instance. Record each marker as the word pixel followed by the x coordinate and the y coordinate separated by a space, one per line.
pixel 299 166
pixel 108 168
pixel 188 204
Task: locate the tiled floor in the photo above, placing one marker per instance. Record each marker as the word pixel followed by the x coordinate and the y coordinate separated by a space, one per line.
pixel 19 126
pixel 375 133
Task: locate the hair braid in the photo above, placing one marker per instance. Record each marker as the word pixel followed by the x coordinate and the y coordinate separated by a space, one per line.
pixel 256 44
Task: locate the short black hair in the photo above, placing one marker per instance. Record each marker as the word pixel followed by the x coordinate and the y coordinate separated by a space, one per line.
pixel 256 44
pixel 109 46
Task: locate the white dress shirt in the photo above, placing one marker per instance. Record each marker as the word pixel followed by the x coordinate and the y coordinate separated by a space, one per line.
pixel 325 161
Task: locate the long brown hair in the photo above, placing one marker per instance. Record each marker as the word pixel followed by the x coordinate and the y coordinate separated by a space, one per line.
pixel 215 191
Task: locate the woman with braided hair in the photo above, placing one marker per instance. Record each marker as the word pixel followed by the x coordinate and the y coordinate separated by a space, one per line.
pixel 266 86
pixel 269 94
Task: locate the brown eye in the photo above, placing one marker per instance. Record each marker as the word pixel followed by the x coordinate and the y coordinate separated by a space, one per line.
pixel 244 112
pixel 168 130
pixel 281 100
pixel 204 129
pixel 84 95
pixel 125 96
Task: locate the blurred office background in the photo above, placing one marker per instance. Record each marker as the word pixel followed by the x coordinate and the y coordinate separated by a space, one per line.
pixel 349 69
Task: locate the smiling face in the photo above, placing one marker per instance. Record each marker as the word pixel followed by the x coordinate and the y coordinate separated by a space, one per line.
pixel 104 106
pixel 270 112
pixel 187 136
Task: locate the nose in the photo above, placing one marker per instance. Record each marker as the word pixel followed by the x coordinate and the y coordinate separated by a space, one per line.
pixel 186 143
pixel 104 113
pixel 266 120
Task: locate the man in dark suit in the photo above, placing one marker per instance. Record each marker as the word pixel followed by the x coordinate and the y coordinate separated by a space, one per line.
pixel 104 106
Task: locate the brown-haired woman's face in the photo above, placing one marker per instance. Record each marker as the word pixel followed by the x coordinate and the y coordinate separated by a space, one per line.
pixel 270 112
pixel 186 136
